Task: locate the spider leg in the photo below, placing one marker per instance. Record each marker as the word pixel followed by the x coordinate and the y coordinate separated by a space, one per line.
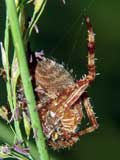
pixel 91 54
pixel 76 94
pixel 90 114
pixel 83 83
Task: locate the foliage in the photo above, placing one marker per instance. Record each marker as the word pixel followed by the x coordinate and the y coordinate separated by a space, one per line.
pixel 16 23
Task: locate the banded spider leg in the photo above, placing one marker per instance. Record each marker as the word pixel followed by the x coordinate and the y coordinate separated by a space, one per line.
pixel 79 92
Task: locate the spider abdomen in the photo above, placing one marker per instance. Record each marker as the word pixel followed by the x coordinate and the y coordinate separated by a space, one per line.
pixel 50 80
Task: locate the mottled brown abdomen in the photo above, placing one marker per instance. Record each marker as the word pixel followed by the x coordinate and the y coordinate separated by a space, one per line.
pixel 51 79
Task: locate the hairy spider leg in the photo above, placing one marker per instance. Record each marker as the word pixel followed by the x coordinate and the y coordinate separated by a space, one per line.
pixel 86 81
pixel 90 114
pixel 82 84
pixel 91 55
pixel 91 51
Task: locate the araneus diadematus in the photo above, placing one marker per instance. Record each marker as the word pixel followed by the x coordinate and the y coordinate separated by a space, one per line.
pixel 60 100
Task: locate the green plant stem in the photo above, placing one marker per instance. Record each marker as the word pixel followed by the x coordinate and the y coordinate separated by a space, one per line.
pixel 36 15
pixel 35 18
pixel 8 83
pixel 24 71
pixel 9 139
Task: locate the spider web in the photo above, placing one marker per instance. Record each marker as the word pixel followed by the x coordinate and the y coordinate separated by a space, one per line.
pixel 76 28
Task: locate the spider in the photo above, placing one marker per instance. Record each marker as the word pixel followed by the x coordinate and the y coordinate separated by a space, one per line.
pixel 61 100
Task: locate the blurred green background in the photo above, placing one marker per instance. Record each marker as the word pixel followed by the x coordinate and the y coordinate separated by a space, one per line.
pixel 63 36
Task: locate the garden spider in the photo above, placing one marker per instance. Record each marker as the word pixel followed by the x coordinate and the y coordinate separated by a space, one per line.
pixel 60 100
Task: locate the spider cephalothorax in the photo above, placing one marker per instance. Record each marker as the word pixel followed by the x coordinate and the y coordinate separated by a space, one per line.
pixel 60 100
